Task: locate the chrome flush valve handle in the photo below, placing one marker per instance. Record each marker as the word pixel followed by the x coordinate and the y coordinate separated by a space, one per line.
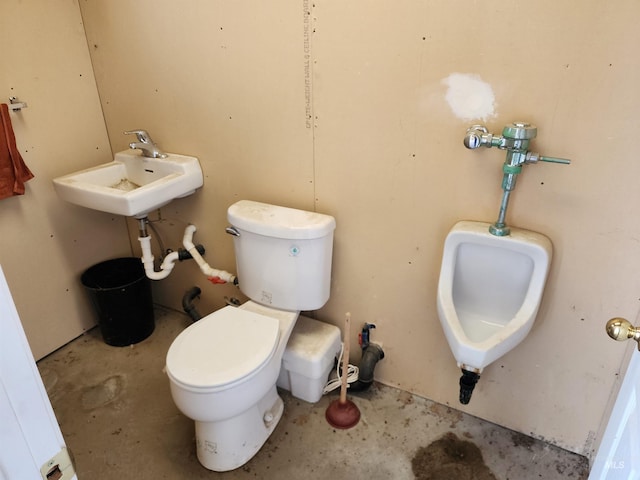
pixel 620 329
pixel 477 136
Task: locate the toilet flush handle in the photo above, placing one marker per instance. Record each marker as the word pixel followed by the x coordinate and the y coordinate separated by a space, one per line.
pixel 232 231
pixel 620 329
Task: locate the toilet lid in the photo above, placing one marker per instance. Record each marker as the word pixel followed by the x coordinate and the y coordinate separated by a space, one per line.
pixel 223 347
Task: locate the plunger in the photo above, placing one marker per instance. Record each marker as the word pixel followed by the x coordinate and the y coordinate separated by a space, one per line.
pixel 343 413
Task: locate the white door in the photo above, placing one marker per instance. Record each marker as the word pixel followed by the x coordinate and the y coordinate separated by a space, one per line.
pixel 31 445
pixel 618 457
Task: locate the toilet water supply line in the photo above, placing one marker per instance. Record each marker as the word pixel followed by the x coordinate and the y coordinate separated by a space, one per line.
pixel 214 275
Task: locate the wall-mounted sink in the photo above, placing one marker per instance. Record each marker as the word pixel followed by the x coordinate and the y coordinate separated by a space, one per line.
pixel 131 185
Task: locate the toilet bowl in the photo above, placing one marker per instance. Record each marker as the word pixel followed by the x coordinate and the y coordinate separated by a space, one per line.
pixel 490 290
pixel 223 369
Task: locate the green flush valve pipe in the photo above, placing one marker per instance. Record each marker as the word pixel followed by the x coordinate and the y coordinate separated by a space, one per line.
pixel 515 140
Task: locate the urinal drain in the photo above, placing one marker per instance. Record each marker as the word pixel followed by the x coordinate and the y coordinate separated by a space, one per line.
pixel 468 382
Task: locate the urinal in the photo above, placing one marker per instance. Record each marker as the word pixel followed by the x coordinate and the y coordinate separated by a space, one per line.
pixel 489 293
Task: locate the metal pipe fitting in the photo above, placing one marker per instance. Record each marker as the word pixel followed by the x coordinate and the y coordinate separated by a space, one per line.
pixel 515 140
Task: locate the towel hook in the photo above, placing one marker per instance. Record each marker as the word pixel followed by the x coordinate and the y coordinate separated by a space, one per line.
pixel 16 105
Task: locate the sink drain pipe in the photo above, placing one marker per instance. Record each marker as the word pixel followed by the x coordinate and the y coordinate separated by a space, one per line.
pixel 371 355
pixel 468 382
pixel 147 257
pixel 187 303
pixel 192 251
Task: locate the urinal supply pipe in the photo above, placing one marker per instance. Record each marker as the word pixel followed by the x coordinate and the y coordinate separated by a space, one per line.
pixel 515 140
pixel 214 275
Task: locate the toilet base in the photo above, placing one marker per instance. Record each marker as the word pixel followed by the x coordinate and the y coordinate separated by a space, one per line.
pixel 229 444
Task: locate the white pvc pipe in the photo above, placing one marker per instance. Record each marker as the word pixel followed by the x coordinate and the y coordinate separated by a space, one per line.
pixel 214 275
pixel 147 261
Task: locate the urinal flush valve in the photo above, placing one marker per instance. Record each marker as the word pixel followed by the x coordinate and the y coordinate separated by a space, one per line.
pixel 515 140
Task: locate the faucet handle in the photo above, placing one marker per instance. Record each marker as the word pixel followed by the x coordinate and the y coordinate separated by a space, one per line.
pixel 143 135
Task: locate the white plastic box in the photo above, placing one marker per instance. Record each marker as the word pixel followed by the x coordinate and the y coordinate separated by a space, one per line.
pixel 309 357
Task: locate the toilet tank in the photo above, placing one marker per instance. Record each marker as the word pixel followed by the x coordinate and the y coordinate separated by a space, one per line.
pixel 283 255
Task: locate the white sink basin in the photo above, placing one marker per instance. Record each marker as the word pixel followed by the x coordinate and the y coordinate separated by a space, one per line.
pixel 131 185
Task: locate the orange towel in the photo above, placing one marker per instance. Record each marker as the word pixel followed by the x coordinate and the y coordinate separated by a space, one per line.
pixel 13 171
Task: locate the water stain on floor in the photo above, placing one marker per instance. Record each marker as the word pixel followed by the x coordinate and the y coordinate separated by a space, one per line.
pixel 522 440
pixel 448 458
pixel 301 419
pixel 102 393
pixel 405 398
pixel 447 414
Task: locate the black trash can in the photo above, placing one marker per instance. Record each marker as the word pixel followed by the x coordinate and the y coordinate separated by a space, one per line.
pixel 120 292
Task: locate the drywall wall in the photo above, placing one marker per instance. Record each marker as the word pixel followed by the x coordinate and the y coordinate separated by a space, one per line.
pixel 46 243
pixel 358 109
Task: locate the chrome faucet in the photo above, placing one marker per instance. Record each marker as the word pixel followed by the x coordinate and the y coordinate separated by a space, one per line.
pixel 146 144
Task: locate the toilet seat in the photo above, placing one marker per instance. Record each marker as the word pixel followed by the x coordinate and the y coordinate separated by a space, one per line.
pixel 222 348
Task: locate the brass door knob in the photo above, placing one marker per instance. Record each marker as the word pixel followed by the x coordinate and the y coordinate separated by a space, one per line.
pixel 621 329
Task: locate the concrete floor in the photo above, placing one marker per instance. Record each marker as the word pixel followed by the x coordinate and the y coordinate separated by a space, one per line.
pixel 116 414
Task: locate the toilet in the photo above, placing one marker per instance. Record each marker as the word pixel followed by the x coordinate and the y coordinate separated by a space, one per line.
pixel 223 369
pixel 489 291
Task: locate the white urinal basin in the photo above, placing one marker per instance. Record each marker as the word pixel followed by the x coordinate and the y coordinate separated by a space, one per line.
pixel 490 290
